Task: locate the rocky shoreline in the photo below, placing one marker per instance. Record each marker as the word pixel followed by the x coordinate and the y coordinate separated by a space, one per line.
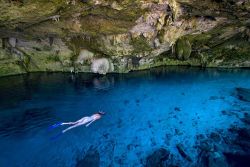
pixel 103 36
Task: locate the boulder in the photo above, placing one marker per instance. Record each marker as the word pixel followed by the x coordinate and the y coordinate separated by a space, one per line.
pixel 158 158
pixel 217 159
pixel 237 160
pixel 101 66
pixel 243 138
pixel 180 149
pixel 12 42
pixel 243 94
pixel 84 56
pixel 246 118
pixel 90 159
pixel 183 49
pixel 211 159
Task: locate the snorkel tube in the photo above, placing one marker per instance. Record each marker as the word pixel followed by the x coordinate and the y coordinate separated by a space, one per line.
pixel 101 113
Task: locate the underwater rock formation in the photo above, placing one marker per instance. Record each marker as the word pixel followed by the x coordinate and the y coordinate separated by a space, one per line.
pixel 39 35
pixel 158 158
pixel 182 152
pixel 243 94
pixel 90 159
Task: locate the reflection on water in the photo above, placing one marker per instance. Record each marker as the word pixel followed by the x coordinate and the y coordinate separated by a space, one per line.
pixel 179 114
pixel 15 89
pixel 103 83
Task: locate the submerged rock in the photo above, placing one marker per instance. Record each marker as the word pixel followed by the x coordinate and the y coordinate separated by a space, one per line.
pixel 237 160
pixel 242 139
pixel 217 159
pixel 246 118
pixel 212 159
pixel 215 137
pixel 243 94
pixel 180 149
pixel 177 109
pixel 158 158
pixel 90 159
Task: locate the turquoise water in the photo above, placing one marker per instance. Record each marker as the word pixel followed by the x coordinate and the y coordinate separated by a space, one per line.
pixel 145 111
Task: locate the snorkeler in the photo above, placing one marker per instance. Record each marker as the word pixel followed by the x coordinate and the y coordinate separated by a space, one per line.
pixel 85 120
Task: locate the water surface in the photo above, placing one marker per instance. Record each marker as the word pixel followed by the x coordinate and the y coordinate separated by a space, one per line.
pixel 145 111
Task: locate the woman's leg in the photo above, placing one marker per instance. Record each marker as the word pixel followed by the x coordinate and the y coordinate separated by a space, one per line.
pixel 71 127
pixel 69 123
pixel 82 121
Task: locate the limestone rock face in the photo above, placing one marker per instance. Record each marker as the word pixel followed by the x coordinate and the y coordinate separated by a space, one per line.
pixel 84 56
pixel 156 32
pixel 101 66
pixel 183 49
pixel 12 42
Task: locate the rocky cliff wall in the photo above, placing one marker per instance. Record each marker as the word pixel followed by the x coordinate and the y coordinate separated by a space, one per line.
pixel 118 36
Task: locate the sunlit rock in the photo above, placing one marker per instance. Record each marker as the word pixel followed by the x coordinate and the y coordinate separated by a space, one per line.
pixel 84 56
pixel 12 42
pixel 101 66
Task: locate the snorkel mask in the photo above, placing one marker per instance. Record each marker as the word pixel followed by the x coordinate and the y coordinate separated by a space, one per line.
pixel 101 112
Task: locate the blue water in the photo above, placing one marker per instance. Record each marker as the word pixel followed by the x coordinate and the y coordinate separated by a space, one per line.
pixel 145 111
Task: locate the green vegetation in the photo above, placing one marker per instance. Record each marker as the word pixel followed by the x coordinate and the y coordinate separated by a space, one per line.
pixel 183 48
pixel 140 44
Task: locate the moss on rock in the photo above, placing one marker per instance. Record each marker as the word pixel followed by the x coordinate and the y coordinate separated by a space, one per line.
pixel 140 44
pixel 183 48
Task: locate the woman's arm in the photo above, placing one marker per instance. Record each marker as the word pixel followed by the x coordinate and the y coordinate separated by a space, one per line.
pixel 90 123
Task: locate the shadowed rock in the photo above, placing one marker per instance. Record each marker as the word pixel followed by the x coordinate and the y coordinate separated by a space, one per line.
pixel 177 109
pixel 243 138
pixel 183 153
pixel 217 159
pixel 246 118
pixel 158 158
pixel 243 94
pixel 212 159
pixel 238 160
pixel 90 159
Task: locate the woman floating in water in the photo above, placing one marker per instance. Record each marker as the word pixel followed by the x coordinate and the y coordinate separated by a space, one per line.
pixel 80 122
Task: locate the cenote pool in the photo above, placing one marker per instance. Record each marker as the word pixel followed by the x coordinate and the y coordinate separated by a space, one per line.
pixel 175 116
